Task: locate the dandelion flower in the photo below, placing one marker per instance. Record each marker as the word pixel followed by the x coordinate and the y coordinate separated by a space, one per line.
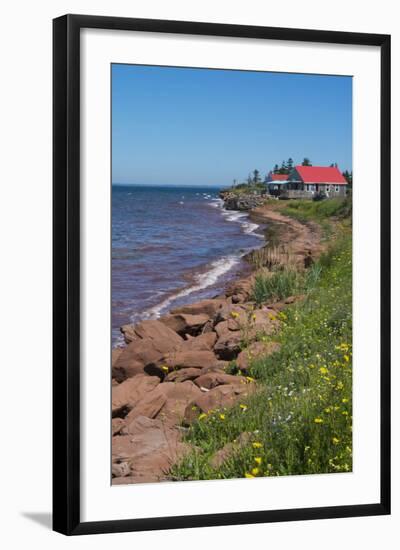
pixel 165 368
pixel 258 460
pixel 203 415
pixel 243 407
pixel 249 476
pixel 257 445
pixel 335 440
pixel 255 471
pixel 318 420
pixel 222 416
pixel 234 314
pixel 323 370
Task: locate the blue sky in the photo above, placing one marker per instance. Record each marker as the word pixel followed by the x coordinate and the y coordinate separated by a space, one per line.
pixel 207 127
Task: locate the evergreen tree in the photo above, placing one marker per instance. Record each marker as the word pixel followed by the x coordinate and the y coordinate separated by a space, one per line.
pixel 289 165
pixel 306 162
pixel 283 168
pixel 256 176
pixel 276 169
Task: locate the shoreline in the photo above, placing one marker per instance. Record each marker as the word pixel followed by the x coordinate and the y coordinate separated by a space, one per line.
pixel 241 268
pixel 177 368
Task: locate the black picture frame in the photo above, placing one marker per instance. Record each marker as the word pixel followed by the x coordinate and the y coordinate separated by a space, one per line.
pixel 66 273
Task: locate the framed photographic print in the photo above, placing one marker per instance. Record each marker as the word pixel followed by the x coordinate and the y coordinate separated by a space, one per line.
pixel 221 274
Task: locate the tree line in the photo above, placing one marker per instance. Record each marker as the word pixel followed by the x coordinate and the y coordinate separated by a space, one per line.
pixel 254 178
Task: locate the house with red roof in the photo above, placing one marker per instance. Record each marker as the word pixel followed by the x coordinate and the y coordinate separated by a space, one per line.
pixel 306 181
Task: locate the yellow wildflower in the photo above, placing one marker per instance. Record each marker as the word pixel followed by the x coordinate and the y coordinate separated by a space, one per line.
pixel 165 368
pixel 222 416
pixel 249 476
pixel 243 407
pixel 203 415
pixel 323 370
pixel 335 440
pixel 346 358
pixel 257 445
pixel 318 420
pixel 345 400
pixel 258 460
pixel 234 314
pixel 249 379
pixel 255 471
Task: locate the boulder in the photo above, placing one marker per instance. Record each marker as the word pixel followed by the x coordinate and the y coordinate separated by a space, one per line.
pixel 214 379
pixel 190 359
pixel 145 355
pixel 128 393
pixel 233 312
pixel 204 342
pixel 185 323
pixel 221 328
pixel 217 398
pixel 145 454
pixel 116 352
pixel 167 402
pixel 204 307
pixel 262 321
pixel 117 425
pixel 241 290
pixel 158 332
pixel 128 332
pixel 228 450
pixel 255 350
pixel 182 375
pixel 228 344
pixel 149 406
pixel 220 367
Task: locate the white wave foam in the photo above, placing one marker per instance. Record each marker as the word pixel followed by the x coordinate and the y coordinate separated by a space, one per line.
pixel 203 280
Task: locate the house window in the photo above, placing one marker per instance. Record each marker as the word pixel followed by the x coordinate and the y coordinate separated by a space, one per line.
pixel 337 188
pixel 328 187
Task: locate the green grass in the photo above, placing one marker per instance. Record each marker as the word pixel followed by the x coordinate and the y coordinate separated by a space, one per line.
pixel 305 210
pixel 282 283
pixel 300 419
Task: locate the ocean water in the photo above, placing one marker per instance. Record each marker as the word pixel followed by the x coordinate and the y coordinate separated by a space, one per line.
pixel 172 246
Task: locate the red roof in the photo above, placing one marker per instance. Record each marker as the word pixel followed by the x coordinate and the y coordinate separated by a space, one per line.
pixel 278 177
pixel 320 174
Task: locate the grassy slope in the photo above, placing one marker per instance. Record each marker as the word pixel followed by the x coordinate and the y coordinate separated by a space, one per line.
pixel 300 421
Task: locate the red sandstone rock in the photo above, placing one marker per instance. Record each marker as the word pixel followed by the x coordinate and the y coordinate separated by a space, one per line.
pixel 206 307
pixel 229 450
pixel 204 342
pixel 213 379
pixel 157 331
pixel 227 346
pixel 127 394
pixel 146 453
pixel 145 355
pixel 185 323
pixel 182 375
pixel 190 359
pixel 217 398
pixel 255 350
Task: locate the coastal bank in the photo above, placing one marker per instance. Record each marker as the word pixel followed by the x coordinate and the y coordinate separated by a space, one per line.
pixel 184 385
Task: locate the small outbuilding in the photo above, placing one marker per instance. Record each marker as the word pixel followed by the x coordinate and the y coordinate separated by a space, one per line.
pixel 276 182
